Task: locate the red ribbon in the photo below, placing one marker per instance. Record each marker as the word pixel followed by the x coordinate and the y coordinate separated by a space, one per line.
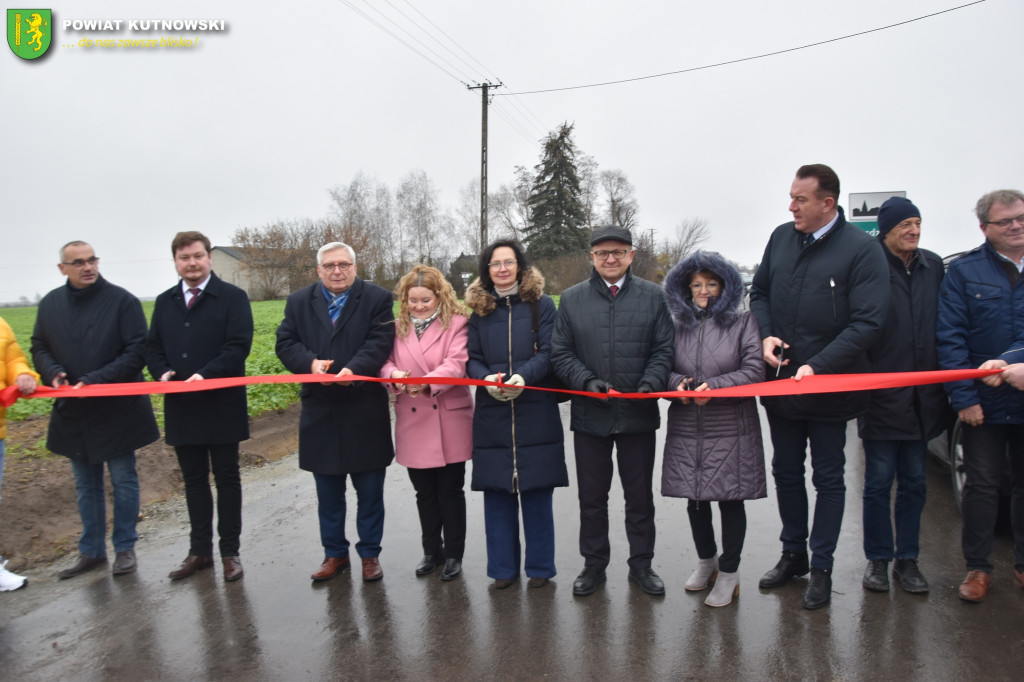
pixel 815 383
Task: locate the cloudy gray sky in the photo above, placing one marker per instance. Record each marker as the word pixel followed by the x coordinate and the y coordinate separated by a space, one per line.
pixel 124 147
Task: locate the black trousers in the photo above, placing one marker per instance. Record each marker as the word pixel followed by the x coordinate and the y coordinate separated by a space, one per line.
pixel 986 464
pixel 441 502
pixel 734 530
pixel 196 462
pixel 594 469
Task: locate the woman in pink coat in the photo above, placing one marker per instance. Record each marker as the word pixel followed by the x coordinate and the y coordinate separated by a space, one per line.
pixel 433 423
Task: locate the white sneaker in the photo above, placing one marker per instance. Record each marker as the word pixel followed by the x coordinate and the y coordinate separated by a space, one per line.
pixel 727 588
pixel 703 576
pixel 10 581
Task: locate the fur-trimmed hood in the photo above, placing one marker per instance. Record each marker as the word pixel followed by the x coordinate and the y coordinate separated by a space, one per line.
pixel 725 308
pixel 482 301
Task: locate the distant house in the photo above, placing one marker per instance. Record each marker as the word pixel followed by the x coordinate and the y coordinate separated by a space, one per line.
pixel 227 263
pixel 262 281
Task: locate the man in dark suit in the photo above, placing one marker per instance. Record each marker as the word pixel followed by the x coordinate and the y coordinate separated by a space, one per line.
pixel 202 329
pixel 345 427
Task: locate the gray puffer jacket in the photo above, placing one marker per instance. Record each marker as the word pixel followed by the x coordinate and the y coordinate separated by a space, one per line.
pixel 714 451
pixel 625 340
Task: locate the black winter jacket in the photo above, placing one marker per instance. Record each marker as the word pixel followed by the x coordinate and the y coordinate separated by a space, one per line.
pixel 625 340
pixel 907 344
pixel 518 444
pixel 96 335
pixel 828 302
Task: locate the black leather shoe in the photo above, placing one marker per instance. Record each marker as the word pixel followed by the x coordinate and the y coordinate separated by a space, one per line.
pixel 427 565
pixel 588 580
pixel 906 572
pixel 819 589
pixel 83 565
pixel 876 576
pixel 791 565
pixel 452 569
pixel 648 580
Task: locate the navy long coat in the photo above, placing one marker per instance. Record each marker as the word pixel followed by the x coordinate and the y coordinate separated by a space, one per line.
pixel 212 339
pixel 342 429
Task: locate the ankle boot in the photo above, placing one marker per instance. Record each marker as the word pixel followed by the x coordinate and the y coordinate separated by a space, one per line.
pixel 705 574
pixel 727 588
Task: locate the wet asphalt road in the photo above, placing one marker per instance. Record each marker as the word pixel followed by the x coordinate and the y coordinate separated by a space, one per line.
pixel 276 625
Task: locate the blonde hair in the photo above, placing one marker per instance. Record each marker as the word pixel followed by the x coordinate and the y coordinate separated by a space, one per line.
pixel 430 278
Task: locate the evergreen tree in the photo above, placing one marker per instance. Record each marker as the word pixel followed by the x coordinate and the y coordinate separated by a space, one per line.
pixel 557 220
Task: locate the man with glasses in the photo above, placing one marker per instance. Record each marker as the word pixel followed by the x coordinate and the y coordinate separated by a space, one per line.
pixel 89 331
pixel 820 297
pixel 342 323
pixel 614 331
pixel 981 322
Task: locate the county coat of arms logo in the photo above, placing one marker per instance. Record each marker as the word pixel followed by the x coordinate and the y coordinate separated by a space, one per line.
pixel 29 32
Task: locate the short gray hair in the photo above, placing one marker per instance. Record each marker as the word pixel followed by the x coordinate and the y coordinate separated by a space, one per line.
pixel 77 242
pixel 1000 196
pixel 334 246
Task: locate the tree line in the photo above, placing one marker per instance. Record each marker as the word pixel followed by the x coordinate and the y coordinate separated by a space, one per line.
pixel 551 210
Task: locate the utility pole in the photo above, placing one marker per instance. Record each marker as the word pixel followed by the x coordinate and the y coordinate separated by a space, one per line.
pixel 483 161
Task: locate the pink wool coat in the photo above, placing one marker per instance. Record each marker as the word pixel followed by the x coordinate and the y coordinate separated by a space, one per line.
pixel 435 429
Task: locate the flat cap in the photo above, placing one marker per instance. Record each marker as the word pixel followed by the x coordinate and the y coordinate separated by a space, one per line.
pixel 611 233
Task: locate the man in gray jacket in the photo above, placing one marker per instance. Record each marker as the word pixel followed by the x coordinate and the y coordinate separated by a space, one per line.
pixel 614 331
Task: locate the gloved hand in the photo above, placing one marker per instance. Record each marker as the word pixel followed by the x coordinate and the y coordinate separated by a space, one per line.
pixel 514 380
pixel 596 386
pixel 494 391
pixel 644 387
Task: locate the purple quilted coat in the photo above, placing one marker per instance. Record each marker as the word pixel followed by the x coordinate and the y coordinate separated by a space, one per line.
pixel 714 451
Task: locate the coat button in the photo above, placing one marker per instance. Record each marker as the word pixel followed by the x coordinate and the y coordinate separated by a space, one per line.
pixel 186 324
pixel 435 407
pixel 184 355
pixel 414 409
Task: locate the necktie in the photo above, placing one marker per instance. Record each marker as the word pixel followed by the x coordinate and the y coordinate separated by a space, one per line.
pixel 334 308
pixel 808 240
pixel 614 289
pixel 195 291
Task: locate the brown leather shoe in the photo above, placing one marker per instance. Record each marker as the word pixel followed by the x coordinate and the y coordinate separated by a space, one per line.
pixel 332 566
pixel 190 565
pixel 372 571
pixel 83 565
pixel 1019 577
pixel 232 568
pixel 975 586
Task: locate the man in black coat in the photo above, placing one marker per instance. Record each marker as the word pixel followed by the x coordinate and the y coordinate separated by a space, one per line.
pixel 345 427
pixel 92 332
pixel 202 329
pixel 820 297
pixel 614 331
pixel 900 421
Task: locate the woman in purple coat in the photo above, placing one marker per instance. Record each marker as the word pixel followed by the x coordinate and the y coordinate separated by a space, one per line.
pixel 433 422
pixel 713 448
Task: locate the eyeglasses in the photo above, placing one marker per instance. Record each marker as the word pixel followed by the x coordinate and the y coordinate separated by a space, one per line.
pixel 710 286
pixel 341 267
pixel 79 263
pixel 618 253
pixel 498 264
pixel 1005 223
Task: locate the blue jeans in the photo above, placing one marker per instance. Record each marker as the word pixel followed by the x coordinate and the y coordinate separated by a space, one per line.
pixel 501 523
pixel 828 464
pixel 331 508
pixel 904 461
pixel 92 504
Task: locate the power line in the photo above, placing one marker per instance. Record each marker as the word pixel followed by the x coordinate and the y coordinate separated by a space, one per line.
pixel 741 59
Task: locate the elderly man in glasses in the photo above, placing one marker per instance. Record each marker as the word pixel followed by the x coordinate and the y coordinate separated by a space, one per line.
pixel 614 331
pixel 342 323
pixel 89 331
pixel 981 322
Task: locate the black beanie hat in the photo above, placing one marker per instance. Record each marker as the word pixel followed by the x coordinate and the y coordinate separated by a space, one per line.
pixel 893 212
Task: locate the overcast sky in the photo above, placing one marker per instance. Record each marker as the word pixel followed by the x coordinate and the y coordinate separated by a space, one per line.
pixel 124 147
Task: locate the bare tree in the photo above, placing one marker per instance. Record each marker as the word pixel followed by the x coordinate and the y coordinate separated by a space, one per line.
pixel 361 215
pixel 511 207
pixel 645 259
pixel 690 233
pixel 619 196
pixel 426 229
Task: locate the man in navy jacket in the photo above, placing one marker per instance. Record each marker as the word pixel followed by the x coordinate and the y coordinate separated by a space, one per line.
pixel 981 322
pixel 202 329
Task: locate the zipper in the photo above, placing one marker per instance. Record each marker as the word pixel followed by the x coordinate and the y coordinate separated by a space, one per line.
pixel 700 410
pixel 832 287
pixel 512 404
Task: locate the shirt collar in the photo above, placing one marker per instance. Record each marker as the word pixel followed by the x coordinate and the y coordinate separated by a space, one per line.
pixel 201 286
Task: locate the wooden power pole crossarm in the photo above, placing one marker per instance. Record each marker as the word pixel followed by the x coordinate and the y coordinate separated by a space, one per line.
pixel 484 87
